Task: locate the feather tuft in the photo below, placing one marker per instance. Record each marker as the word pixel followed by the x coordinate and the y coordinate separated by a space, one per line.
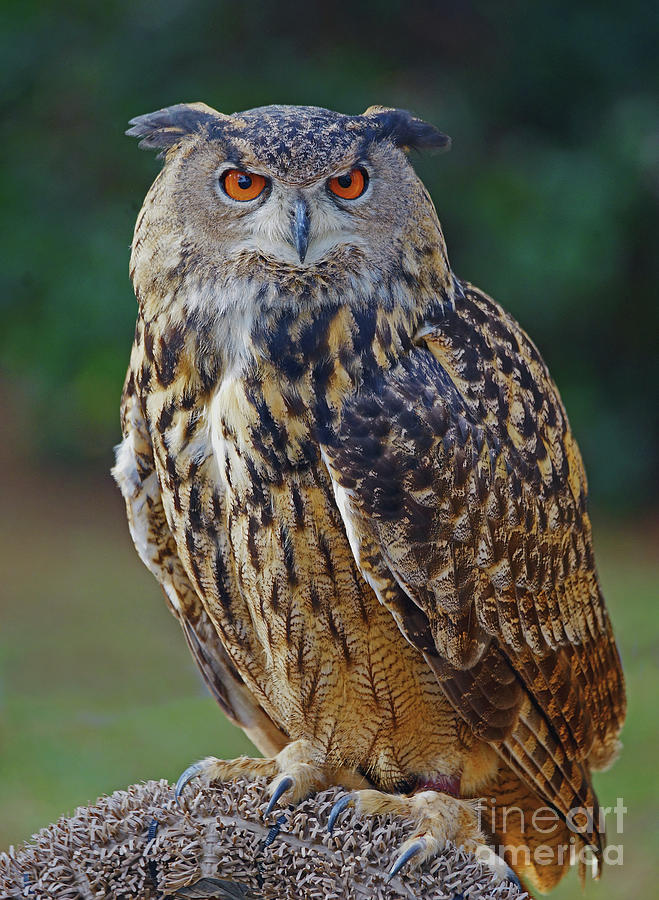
pixel 405 130
pixel 165 128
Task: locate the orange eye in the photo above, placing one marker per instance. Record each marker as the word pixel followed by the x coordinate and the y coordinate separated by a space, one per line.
pixel 241 185
pixel 351 185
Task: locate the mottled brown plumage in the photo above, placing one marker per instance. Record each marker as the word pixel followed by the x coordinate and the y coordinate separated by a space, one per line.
pixel 355 480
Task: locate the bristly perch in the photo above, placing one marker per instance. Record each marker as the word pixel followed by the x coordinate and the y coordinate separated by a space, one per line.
pixel 139 845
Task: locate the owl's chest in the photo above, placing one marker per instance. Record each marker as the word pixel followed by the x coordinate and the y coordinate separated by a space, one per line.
pixel 329 650
pixel 261 432
pixel 277 493
pixel 286 538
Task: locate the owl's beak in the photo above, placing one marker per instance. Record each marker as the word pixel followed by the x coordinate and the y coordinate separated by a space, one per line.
pixel 301 227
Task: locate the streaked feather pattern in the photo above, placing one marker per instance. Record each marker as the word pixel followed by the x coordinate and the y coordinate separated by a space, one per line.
pixel 354 477
pixel 460 468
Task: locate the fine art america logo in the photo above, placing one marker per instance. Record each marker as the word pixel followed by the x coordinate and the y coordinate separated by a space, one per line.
pixel 515 822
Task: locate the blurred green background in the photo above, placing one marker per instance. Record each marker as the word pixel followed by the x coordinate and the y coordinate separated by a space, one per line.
pixel 548 201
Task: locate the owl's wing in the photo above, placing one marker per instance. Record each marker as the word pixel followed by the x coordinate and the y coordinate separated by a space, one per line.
pixel 464 499
pixel 136 475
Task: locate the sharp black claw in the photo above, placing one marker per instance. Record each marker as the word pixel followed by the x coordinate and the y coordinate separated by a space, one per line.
pixel 417 847
pixel 190 773
pixel 281 788
pixel 337 809
pixel 274 831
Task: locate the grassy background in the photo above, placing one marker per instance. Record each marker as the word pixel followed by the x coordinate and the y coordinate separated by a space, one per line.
pixel 548 201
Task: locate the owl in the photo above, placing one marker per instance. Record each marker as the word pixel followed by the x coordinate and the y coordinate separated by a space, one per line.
pixel 355 481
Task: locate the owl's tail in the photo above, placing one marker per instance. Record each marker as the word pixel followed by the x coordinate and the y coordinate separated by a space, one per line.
pixel 548 777
pixel 539 849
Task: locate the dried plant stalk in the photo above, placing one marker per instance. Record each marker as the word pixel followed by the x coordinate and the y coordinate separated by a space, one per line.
pixel 139 843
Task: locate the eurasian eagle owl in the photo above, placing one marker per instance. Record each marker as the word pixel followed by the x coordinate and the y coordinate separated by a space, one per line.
pixel 354 478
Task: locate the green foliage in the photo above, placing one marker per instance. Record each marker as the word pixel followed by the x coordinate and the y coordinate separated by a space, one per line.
pixel 548 198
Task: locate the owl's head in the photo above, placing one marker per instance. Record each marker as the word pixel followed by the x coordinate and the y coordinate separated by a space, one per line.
pixel 286 185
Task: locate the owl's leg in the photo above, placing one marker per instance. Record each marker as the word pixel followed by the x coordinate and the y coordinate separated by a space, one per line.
pixel 438 817
pixel 295 771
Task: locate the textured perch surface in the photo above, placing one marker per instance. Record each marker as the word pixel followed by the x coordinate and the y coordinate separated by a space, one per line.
pixel 139 844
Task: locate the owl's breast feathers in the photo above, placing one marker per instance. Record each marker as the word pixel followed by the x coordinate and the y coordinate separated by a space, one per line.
pixel 435 441
pixel 250 507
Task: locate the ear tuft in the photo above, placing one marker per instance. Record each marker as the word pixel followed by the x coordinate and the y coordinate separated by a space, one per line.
pixel 166 127
pixel 405 130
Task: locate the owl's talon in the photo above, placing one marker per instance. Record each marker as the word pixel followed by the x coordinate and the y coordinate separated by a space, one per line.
pixel 185 777
pixel 510 876
pixel 419 846
pixel 337 809
pixel 283 785
pixel 493 861
pixel 274 831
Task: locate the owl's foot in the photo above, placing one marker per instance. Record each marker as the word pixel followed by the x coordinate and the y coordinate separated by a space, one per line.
pixel 437 817
pixel 294 771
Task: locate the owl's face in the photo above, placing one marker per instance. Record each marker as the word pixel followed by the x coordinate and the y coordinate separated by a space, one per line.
pixel 288 187
pixel 245 208
pixel 302 223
